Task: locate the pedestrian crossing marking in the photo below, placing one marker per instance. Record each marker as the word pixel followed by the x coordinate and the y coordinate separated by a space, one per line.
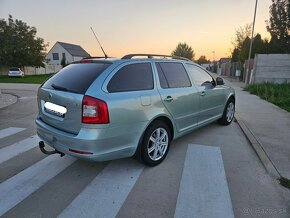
pixel 20 186
pixel 10 131
pixel 203 188
pixel 17 148
pixel 105 195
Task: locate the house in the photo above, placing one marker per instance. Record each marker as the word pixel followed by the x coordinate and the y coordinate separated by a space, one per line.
pixel 224 60
pixel 68 52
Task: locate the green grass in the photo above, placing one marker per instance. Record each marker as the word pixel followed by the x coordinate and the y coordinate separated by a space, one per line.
pixel 278 94
pixel 34 79
pixel 284 182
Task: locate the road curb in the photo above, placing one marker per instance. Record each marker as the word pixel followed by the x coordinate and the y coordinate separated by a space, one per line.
pixel 7 99
pixel 258 148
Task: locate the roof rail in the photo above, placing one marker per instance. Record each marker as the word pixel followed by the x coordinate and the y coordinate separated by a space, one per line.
pixel 129 56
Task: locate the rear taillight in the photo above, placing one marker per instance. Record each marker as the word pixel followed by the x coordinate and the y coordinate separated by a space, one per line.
pixel 94 111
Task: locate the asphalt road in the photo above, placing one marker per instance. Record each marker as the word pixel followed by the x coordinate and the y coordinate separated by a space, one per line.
pixel 224 169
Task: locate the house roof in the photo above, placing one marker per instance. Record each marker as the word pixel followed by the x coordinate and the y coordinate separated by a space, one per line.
pixel 74 50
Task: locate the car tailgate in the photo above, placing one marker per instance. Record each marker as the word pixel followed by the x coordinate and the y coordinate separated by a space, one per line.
pixel 60 109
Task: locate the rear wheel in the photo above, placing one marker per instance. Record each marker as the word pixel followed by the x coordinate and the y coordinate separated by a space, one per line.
pixel 155 143
pixel 228 114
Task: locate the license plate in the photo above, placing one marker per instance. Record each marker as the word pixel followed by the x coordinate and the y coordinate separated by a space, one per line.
pixel 54 109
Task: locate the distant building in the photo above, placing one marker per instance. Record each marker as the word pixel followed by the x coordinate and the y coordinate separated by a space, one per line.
pixel 67 51
pixel 224 60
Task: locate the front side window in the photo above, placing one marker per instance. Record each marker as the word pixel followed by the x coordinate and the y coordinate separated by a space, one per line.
pixel 199 76
pixel 172 75
pixel 133 77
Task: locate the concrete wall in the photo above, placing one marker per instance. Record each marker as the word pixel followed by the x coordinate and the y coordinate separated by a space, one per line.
pixel 271 68
pixel 35 70
pixel 42 70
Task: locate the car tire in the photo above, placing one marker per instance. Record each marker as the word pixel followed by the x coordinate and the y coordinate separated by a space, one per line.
pixel 228 114
pixel 155 143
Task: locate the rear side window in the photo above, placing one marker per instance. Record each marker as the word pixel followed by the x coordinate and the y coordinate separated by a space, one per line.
pixel 172 75
pixel 76 77
pixel 133 77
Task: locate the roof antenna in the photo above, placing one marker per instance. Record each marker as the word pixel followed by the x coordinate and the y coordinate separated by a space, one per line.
pixel 106 56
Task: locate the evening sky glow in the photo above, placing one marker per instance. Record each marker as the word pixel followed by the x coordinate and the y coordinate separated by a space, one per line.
pixel 135 26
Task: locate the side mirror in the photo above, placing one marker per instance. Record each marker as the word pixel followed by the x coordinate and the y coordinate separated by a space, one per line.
pixel 220 81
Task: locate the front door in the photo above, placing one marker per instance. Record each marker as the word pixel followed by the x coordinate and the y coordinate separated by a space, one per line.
pixel 211 96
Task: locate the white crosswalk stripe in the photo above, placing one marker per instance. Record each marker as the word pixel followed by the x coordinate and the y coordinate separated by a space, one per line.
pixel 10 131
pixel 203 188
pixel 17 148
pixel 17 188
pixel 105 195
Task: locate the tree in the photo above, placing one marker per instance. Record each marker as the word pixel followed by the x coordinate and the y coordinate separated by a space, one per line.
pixel 241 34
pixel 63 62
pixel 278 26
pixel 183 50
pixel 202 60
pixel 19 44
pixel 235 55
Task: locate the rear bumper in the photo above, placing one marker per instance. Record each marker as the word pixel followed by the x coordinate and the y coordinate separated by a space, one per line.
pixel 103 144
pixel 15 75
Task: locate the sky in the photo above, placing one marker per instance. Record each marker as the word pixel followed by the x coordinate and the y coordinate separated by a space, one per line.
pixel 140 26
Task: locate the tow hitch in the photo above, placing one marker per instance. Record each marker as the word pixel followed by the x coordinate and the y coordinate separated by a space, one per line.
pixel 41 147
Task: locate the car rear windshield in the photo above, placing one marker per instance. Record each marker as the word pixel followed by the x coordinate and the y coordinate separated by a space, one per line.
pixel 76 77
pixel 14 69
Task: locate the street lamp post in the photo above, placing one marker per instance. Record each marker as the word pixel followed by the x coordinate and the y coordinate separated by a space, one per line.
pixel 251 44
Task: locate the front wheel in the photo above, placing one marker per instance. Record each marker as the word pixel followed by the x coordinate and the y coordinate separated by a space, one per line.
pixel 155 143
pixel 228 114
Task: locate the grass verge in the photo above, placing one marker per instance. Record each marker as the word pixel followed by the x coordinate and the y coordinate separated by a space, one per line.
pixel 284 182
pixel 34 79
pixel 278 94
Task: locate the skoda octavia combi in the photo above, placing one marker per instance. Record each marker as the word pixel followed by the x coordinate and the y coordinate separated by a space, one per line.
pixel 103 109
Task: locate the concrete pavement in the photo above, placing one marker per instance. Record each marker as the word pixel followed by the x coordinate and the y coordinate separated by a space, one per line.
pixel 267 128
pixel 7 99
pixel 252 190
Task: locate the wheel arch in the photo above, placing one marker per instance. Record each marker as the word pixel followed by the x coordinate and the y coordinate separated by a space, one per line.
pixel 162 118
pixel 233 97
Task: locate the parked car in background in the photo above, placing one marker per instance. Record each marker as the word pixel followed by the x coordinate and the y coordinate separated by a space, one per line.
pixel 15 72
pixel 104 109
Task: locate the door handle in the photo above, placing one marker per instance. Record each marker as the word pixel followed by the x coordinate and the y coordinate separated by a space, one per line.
pixel 168 99
pixel 203 93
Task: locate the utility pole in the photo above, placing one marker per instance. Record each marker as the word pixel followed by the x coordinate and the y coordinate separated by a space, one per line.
pixel 251 44
pixel 213 55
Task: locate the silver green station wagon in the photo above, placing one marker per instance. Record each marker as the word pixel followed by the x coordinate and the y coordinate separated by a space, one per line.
pixel 103 109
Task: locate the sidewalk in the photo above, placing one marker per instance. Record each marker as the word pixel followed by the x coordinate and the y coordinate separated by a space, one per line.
pixel 268 129
pixel 6 99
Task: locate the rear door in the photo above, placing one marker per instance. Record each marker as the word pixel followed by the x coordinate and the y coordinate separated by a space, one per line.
pixel 131 95
pixel 179 96
pixel 60 97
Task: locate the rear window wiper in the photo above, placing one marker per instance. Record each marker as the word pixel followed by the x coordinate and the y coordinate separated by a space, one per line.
pixel 61 88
